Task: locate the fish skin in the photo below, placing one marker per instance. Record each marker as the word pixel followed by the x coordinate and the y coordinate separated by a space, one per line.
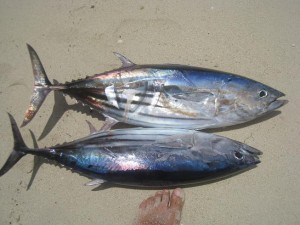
pixel 173 96
pixel 145 157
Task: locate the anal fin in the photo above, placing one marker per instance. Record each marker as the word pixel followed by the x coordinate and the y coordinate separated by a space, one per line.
pixel 95 182
pixel 107 125
pixel 91 126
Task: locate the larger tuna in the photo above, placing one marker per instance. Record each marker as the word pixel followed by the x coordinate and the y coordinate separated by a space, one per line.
pixel 145 157
pixel 163 95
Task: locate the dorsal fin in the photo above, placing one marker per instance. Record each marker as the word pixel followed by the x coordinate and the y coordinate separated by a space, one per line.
pixel 125 61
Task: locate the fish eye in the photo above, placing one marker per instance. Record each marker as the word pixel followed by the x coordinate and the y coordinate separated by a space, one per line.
pixel 238 155
pixel 263 93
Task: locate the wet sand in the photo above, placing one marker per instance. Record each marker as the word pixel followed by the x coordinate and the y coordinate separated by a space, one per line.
pixel 258 39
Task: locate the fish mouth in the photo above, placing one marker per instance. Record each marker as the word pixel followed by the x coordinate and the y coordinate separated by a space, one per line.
pixel 256 160
pixel 251 151
pixel 254 153
pixel 276 104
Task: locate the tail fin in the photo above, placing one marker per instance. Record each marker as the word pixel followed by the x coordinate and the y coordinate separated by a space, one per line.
pixel 19 148
pixel 41 86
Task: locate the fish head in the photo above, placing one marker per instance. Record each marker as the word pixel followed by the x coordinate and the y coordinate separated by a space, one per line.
pixel 243 156
pixel 268 98
pixel 255 99
pixel 224 152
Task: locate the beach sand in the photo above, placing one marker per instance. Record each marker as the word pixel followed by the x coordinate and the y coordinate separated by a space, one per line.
pixel 257 39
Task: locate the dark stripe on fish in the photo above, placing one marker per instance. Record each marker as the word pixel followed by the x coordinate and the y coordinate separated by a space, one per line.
pixel 169 117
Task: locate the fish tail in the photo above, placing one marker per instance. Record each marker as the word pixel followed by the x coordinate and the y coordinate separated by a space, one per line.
pixel 19 149
pixel 42 86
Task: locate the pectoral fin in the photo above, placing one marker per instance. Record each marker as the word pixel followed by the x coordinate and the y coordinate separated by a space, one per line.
pixel 174 143
pixel 194 96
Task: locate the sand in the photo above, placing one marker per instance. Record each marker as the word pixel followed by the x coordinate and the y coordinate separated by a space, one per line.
pixel 258 39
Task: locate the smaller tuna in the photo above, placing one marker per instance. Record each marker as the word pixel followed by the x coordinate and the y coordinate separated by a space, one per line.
pixel 151 157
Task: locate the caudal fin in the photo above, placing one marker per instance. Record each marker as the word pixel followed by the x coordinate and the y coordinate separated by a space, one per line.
pixel 41 86
pixel 19 148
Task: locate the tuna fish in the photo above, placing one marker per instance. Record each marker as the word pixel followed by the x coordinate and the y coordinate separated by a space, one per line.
pixel 163 95
pixel 148 157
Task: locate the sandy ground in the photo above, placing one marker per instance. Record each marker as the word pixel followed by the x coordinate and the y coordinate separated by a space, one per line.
pixel 259 39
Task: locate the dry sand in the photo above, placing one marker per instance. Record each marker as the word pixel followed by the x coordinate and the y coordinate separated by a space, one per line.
pixel 259 39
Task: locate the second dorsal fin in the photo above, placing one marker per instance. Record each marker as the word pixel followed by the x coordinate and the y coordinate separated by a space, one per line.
pixel 125 61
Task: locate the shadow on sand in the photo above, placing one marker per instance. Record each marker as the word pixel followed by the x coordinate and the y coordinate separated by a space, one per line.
pixel 37 161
